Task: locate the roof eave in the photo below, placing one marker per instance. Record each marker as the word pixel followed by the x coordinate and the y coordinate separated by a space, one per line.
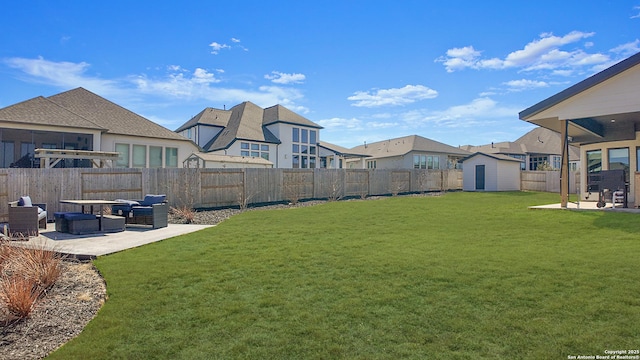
pixel 583 85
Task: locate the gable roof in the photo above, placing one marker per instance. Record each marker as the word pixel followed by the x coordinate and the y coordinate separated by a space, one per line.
pixel 504 147
pixel 208 116
pixel 339 150
pixel 583 85
pixel 404 145
pixel 42 111
pixel 498 157
pixel 245 121
pixel 110 116
pixel 279 113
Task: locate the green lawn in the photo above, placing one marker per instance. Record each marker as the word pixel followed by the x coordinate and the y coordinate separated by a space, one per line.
pixel 464 275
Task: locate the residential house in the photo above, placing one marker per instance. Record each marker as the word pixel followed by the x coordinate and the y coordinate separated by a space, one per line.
pixel 335 157
pixel 276 134
pixel 81 120
pixel 601 115
pixel 537 148
pixel 408 152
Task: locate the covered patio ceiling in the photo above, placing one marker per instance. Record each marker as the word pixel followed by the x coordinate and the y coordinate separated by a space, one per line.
pixel 604 107
pixel 610 127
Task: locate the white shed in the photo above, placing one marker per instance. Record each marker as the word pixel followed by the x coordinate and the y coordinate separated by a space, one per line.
pixel 218 161
pixel 490 172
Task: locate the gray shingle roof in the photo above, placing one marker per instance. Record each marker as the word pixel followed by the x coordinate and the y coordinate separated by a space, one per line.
pixel 42 111
pixel 404 145
pixel 208 116
pixel 340 150
pixel 494 156
pixel 279 113
pixel 245 121
pixel 110 116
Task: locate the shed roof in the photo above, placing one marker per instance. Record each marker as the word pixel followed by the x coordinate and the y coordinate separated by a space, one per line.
pixel 230 158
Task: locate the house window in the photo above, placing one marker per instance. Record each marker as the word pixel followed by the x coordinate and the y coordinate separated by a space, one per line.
pixel 7 152
pixel 155 156
pixel 594 161
pixel 123 158
pixel 189 133
pixel 371 164
pixel 303 146
pixel 171 157
pixel 537 161
pixel 426 162
pixel 254 149
pixel 295 160
pixel 139 156
pixel 619 160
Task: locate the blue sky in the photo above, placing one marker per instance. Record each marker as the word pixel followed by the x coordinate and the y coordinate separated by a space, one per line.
pixel 453 71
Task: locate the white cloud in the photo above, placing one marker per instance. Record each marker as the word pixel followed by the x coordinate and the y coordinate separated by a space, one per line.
pixel 393 97
pixel 62 74
pixel 284 78
pixel 481 110
pixel 541 54
pixel 637 10
pixel 235 40
pixel 177 83
pixel 216 47
pixel 627 49
pixel 524 84
pixel 340 124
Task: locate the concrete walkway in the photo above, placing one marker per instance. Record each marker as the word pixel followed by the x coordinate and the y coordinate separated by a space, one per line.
pixel 89 246
pixel 586 205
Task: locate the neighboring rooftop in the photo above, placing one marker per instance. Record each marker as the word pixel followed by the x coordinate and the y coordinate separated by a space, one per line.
pixel 245 121
pixel 110 116
pixel 403 145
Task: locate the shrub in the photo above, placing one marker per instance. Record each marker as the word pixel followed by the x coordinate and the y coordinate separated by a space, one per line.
pixel 26 273
pixel 19 295
pixel 184 212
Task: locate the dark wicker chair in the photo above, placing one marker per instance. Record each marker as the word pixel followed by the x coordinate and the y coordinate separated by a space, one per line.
pixel 26 218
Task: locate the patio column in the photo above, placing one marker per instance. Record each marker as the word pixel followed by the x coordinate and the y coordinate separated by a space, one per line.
pixel 564 167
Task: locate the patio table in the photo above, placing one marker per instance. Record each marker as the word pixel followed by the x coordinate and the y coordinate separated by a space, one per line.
pixel 91 204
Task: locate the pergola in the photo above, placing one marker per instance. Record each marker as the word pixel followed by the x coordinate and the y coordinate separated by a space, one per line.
pixel 602 108
pixel 51 157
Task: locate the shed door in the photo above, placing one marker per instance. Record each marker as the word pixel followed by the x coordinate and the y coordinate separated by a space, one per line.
pixel 479 177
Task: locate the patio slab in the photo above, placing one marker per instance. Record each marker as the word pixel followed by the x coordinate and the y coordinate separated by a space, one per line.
pixel 585 205
pixel 90 246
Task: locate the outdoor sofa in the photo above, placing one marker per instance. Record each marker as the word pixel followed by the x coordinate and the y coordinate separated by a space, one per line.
pixel 153 210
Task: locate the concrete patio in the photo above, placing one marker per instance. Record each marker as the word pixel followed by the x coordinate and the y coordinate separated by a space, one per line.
pixel 586 206
pixel 84 247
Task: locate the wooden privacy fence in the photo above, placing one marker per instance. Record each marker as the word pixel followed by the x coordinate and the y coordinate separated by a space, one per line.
pixel 209 188
pixel 547 181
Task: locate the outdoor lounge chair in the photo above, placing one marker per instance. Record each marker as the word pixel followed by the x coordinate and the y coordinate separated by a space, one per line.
pixel 26 218
pixel 152 210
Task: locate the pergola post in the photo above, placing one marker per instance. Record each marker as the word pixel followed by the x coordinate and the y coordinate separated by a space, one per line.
pixel 564 168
